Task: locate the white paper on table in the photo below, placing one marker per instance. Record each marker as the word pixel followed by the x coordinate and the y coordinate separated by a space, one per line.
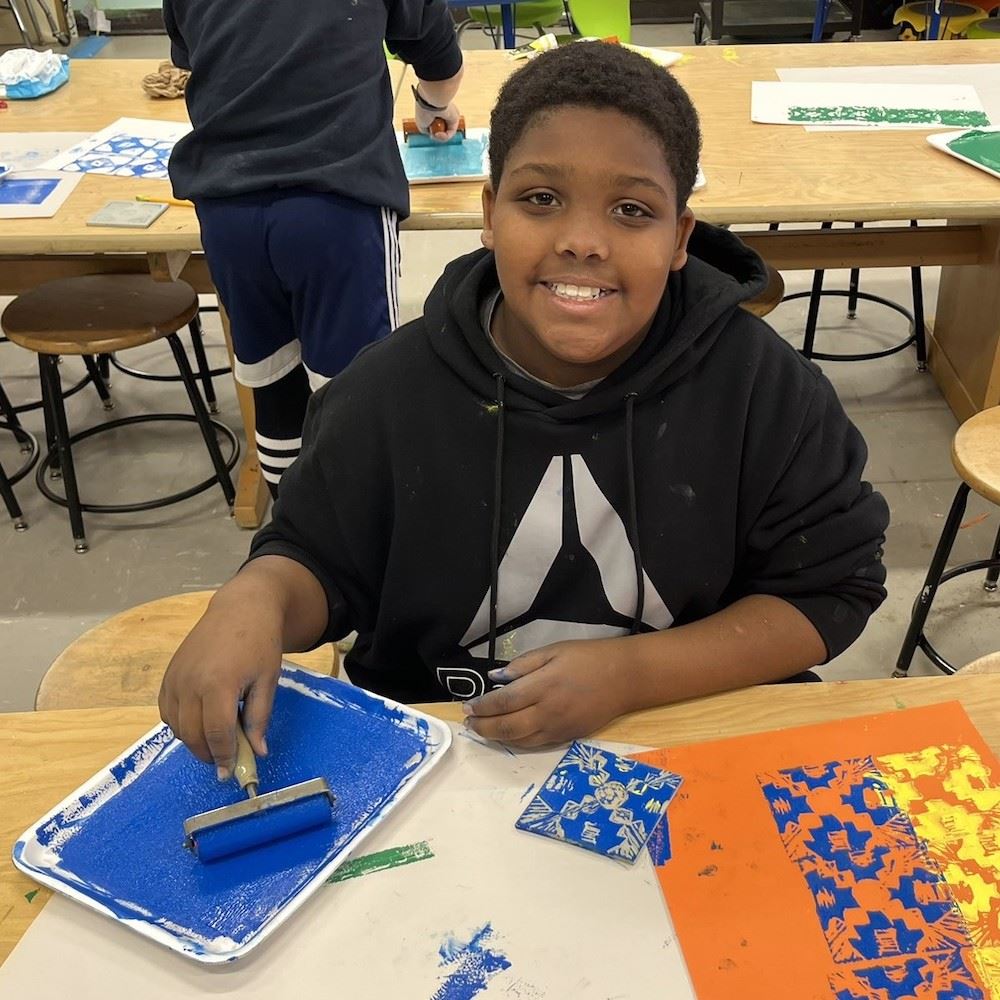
pixel 771 101
pixel 31 150
pixel 985 77
pixel 65 183
pixel 137 128
pixel 571 923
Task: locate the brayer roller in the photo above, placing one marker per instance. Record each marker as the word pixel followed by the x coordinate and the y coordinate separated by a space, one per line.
pixel 412 135
pixel 259 819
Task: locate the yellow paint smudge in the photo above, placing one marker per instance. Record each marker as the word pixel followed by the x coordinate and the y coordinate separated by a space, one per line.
pixel 730 54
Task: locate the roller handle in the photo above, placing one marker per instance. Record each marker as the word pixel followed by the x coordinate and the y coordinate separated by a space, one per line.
pixel 245 771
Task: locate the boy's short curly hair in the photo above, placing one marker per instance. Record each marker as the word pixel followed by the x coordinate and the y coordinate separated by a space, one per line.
pixel 604 76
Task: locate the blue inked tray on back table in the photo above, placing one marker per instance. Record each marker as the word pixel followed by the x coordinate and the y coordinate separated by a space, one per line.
pixel 462 161
pixel 117 843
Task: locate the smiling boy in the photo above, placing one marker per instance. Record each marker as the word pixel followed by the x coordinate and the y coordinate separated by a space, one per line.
pixel 584 482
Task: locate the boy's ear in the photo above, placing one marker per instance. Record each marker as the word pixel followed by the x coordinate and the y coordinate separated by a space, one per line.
pixel 489 200
pixel 685 226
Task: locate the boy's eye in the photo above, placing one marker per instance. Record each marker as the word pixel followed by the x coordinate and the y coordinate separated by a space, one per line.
pixel 631 210
pixel 541 198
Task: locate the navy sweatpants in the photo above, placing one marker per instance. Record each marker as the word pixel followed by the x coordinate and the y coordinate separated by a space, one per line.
pixel 308 279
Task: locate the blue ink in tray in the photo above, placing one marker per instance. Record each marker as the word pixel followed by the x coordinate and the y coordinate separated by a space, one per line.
pixel 122 844
pixel 472 964
pixel 27 191
pixel 444 161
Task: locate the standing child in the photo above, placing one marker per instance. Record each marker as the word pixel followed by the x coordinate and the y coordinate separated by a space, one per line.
pixel 584 482
pixel 296 178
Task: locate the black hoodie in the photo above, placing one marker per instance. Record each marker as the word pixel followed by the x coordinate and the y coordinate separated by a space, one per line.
pixel 434 484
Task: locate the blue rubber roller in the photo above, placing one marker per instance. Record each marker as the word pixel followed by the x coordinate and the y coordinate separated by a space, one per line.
pixel 259 819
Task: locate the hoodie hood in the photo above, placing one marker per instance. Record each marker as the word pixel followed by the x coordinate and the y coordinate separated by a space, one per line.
pixel 721 272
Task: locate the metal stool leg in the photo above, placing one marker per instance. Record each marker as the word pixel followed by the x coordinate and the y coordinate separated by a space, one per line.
pixel 104 367
pixel 925 598
pixel 51 448
pixel 204 371
pixel 52 389
pixel 815 298
pixel 9 415
pixel 98 379
pixel 201 415
pixel 993 573
pixel 919 328
pixel 10 502
pixel 853 285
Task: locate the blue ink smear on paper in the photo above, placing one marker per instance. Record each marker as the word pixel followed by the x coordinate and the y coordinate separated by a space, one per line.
pixel 27 191
pixel 472 964
pixel 601 802
pixel 122 844
pixel 528 791
pixel 658 844
pixel 443 161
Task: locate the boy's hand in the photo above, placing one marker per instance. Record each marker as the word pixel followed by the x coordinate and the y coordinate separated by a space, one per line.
pixel 232 653
pixel 425 118
pixel 553 694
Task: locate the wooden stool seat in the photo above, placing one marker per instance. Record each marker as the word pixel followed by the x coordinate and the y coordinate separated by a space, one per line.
pixel 975 452
pixel 99 313
pixel 121 662
pixel 770 298
pixel 989 664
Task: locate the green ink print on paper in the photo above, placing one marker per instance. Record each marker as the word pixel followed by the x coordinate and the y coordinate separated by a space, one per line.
pixel 864 115
pixel 381 860
pixel 980 147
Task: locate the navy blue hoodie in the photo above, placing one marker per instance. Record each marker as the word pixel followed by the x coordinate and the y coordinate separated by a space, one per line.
pixel 714 463
pixel 296 94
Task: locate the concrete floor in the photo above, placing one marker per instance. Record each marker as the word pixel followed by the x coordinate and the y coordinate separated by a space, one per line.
pixel 49 595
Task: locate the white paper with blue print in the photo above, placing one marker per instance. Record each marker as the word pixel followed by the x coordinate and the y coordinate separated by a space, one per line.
pixel 601 802
pixel 434 162
pixel 129 147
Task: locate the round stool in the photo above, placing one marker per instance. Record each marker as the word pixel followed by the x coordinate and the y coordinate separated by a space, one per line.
pixel 975 453
pixel 770 298
pixel 988 664
pixel 914 18
pixel 987 28
pixel 99 315
pixel 121 662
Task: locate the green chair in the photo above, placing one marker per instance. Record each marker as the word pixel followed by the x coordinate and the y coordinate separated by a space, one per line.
pixel 537 14
pixel 987 28
pixel 602 18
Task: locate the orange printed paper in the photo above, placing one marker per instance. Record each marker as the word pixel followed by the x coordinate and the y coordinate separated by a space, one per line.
pixel 856 860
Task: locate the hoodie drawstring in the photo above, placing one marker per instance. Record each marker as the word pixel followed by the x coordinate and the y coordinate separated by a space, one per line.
pixel 633 513
pixel 495 534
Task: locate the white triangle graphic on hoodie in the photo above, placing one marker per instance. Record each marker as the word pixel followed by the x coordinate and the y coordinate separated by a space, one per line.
pixel 530 556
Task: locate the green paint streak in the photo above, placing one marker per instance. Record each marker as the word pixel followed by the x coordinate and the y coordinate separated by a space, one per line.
pixel 381 860
pixel 888 116
pixel 899 704
pixel 30 896
pixel 982 147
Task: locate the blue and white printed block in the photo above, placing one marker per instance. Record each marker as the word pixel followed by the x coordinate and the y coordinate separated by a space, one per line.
pixel 126 156
pixel 601 802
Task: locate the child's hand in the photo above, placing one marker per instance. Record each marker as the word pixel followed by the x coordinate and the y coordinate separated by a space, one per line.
pixel 232 653
pixel 553 694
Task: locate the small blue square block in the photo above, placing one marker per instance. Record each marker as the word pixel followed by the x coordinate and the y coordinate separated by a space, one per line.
pixel 600 802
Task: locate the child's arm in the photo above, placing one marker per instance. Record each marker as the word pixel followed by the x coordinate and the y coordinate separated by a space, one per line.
pixel 570 689
pixel 272 605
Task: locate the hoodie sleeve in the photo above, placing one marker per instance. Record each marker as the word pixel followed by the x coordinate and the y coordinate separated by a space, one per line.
pixel 816 540
pixel 308 518
pixel 178 48
pixel 422 33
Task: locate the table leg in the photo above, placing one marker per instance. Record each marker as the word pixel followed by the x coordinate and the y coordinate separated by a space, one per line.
pixel 507 17
pixel 964 350
pixel 252 493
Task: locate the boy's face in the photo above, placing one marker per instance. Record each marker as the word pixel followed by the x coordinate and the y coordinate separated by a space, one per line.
pixel 585 230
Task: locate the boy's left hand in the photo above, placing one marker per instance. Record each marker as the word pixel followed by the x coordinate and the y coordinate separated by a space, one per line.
pixel 552 695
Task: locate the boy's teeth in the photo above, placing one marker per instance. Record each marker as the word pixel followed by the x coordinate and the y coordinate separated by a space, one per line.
pixel 576 291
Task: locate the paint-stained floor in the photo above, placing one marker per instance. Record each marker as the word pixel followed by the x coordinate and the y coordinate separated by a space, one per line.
pixel 49 595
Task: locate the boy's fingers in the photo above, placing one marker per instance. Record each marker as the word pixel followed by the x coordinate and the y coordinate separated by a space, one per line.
pixel 219 726
pixel 519 727
pixel 257 704
pixel 525 664
pixel 513 697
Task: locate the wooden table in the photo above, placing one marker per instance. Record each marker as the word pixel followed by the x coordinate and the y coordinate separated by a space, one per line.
pixel 772 173
pixel 37 250
pixel 47 755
